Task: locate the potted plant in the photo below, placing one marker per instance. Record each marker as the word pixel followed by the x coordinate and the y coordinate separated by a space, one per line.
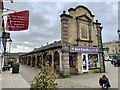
pixel 10 62
pixel 15 67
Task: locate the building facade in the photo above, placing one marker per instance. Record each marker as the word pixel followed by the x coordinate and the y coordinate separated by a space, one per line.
pixel 113 51
pixel 1 18
pixel 80 47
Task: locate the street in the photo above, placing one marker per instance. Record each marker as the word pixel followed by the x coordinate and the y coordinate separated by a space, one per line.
pixel 88 80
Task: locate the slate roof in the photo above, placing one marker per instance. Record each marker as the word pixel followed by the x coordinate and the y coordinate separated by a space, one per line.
pixel 15 55
pixel 53 45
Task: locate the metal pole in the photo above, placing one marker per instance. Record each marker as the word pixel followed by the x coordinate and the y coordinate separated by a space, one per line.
pixel 10 41
pixel 4 40
pixel 3 30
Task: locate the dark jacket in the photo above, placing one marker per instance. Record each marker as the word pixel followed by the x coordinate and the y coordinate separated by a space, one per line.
pixel 104 81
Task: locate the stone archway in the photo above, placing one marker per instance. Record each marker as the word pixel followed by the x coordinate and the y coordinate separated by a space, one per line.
pixel 50 59
pixel 33 61
pixel 29 61
pixel 39 61
pixel 44 58
pixel 26 60
pixel 56 62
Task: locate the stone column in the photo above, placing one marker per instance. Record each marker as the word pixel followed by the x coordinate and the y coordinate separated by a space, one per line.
pixel 79 63
pixel 31 60
pixel 42 60
pixel 27 60
pixel 66 68
pixel 36 59
pixel 65 25
pixel 52 60
pixel 100 45
pixel 23 59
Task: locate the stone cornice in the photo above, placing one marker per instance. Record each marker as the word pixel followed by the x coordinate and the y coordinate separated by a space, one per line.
pixel 65 15
pixel 80 6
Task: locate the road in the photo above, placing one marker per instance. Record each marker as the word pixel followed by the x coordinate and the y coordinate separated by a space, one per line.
pixel 89 80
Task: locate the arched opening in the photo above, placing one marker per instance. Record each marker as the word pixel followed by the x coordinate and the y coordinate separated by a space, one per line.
pixel 39 61
pixel 26 60
pixel 56 62
pixel 33 61
pixel 50 59
pixel 44 59
pixel 29 60
pixel 47 59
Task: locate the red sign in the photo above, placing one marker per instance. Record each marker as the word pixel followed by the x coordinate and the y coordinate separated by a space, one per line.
pixel 18 21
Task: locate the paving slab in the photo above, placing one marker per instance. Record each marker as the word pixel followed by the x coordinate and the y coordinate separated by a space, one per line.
pixel 10 80
pixel 0 81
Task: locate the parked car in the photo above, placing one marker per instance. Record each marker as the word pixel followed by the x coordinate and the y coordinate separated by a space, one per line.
pixel 113 61
pixel 117 62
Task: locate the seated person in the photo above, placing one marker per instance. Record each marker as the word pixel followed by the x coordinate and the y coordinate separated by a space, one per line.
pixel 104 82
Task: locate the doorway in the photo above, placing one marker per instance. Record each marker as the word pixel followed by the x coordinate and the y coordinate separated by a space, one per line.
pixel 84 62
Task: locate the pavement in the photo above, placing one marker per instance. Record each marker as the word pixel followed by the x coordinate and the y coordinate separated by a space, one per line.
pixel 0 81
pixel 10 80
pixel 88 80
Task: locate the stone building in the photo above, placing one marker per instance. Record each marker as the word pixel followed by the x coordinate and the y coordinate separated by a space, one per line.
pixel 79 49
pixel 1 18
pixel 113 51
pixel 14 56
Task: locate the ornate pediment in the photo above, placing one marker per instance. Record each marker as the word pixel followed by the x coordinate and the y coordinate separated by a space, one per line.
pixel 84 17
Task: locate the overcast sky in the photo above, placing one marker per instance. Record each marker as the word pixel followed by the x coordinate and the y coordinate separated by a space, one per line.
pixel 44 25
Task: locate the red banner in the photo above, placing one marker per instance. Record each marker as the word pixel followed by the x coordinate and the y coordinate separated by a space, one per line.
pixel 18 21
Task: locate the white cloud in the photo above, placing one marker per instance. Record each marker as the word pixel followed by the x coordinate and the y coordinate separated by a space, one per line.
pixel 45 24
pixel 20 49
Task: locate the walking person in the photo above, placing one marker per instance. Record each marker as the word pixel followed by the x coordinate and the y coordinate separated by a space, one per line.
pixel 104 81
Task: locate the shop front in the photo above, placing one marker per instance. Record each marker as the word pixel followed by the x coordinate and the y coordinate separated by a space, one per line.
pixel 89 57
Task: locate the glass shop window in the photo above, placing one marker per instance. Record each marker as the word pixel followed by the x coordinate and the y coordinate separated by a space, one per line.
pixel 93 61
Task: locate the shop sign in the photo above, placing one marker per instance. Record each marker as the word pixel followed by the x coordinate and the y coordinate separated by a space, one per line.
pixel 84 49
pixel 17 21
pixel 114 54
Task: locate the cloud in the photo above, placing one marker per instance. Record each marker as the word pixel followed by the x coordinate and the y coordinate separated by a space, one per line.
pixel 44 25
